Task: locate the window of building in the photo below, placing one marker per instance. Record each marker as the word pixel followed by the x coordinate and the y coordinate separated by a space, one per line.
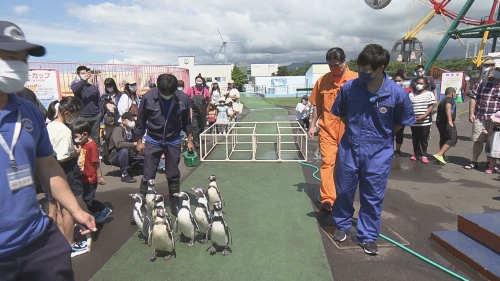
pixel 220 79
pixel 209 80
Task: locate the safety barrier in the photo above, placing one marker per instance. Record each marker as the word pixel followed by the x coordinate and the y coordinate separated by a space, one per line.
pixel 284 141
pixel 143 74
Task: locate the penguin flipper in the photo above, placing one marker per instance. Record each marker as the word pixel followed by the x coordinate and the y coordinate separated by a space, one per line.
pixel 194 221
pixel 146 228
pixel 176 224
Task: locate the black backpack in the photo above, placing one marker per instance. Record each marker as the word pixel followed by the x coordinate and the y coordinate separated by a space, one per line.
pixel 105 149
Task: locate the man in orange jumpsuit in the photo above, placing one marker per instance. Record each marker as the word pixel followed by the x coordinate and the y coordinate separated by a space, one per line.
pixel 331 128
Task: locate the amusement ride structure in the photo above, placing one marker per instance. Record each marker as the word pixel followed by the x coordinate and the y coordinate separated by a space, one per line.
pixel 410 49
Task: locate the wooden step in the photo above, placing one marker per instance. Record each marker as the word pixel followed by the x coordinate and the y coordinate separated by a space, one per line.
pixel 473 253
pixel 484 228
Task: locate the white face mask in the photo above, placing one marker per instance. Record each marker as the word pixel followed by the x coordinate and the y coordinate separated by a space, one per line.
pixel 400 83
pixel 13 75
pixel 419 87
pixel 110 89
pixel 180 88
pixel 133 88
pixel 421 73
pixel 131 124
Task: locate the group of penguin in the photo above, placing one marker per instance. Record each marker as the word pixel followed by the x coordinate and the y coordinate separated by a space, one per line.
pixel 155 223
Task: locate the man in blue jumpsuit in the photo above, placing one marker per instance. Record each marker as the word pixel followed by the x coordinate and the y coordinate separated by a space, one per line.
pixel 31 245
pixel 373 108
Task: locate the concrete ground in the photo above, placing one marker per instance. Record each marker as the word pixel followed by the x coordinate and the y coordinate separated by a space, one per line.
pixel 419 199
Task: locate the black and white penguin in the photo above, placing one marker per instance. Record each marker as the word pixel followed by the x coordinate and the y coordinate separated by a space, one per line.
pixel 162 235
pixel 213 193
pixel 185 223
pixel 202 215
pixel 150 195
pixel 220 234
pixel 140 215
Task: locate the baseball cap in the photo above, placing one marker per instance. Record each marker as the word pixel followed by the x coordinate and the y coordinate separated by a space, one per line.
pixel 128 115
pixel 496 117
pixel 129 80
pixel 12 39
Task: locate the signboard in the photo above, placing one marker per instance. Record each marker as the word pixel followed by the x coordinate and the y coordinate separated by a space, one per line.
pixel 44 82
pixel 451 79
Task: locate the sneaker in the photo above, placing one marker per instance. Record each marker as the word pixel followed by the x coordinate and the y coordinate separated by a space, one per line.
pixel 397 153
pixel 440 159
pixel 370 248
pixel 128 179
pixel 413 158
pixel 327 207
pixel 339 235
pixel 424 160
pixel 102 215
pixel 79 246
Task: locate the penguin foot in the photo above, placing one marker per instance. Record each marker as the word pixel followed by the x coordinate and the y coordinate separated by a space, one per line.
pixel 166 258
pixel 203 241
pixel 212 250
pixel 225 252
pixel 191 243
pixel 153 256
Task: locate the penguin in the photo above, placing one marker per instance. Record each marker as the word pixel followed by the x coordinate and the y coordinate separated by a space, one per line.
pixel 140 215
pixel 213 193
pixel 220 234
pixel 185 223
pixel 161 237
pixel 202 215
pixel 150 195
pixel 159 202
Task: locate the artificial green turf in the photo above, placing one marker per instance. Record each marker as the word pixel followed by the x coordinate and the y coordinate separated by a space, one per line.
pixel 275 234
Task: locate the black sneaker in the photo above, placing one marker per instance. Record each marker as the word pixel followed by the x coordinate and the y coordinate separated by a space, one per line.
pixel 397 153
pixel 128 179
pixel 326 207
pixel 339 235
pixel 370 248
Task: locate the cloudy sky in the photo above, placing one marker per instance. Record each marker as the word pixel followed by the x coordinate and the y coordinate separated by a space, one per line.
pixel 285 31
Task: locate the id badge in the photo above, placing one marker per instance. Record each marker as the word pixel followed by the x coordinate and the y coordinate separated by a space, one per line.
pixel 19 177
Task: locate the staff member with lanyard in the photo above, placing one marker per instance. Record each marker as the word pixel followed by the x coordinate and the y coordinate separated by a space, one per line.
pixel 31 246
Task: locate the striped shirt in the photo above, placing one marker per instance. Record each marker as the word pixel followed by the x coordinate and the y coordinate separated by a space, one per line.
pixel 487 96
pixel 421 103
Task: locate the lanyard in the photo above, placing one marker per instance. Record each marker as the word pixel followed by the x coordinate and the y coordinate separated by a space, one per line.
pixel 15 137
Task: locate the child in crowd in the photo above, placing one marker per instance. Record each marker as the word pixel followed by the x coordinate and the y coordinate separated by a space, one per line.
pixel 231 112
pixel 222 118
pixel 62 114
pixel 302 112
pixel 445 122
pixel 212 115
pixel 494 152
pixel 91 170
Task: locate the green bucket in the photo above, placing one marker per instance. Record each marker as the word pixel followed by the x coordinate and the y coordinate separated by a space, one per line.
pixel 190 158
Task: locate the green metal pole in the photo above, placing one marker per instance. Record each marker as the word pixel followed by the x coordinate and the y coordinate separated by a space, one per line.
pixel 447 35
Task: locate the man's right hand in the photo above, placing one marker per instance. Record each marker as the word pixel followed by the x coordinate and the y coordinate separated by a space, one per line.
pixel 86 76
pixel 472 118
pixel 140 147
pixel 312 129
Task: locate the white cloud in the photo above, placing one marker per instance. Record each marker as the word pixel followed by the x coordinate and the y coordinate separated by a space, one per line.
pixel 21 10
pixel 157 31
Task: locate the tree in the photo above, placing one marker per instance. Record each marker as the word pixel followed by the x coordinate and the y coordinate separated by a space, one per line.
pixel 282 71
pixel 238 77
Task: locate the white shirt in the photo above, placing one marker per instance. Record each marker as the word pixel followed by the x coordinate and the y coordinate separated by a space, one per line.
pixel 302 111
pixel 124 105
pixel 61 139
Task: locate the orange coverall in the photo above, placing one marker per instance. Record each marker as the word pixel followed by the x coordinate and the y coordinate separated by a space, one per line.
pixel 331 128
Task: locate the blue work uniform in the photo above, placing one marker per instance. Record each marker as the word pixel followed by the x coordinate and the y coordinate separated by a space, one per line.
pixel 366 149
pixel 21 220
